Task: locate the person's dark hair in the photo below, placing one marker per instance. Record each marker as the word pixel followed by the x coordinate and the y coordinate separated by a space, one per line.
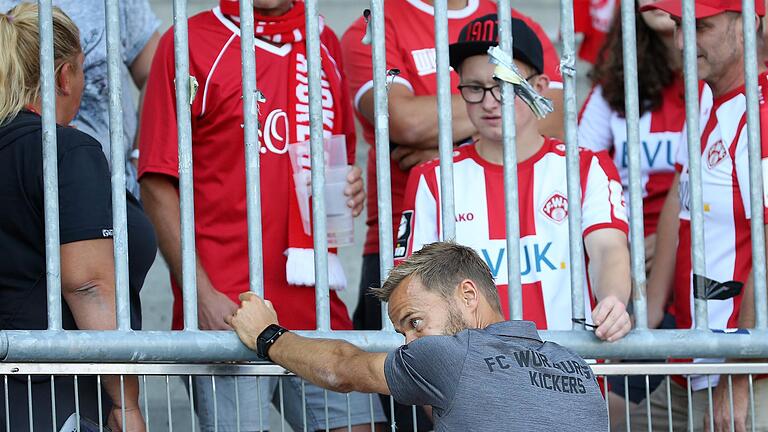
pixel 441 267
pixel 653 67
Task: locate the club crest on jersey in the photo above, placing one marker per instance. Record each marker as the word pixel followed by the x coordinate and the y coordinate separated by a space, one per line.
pixel 556 207
pixel 716 154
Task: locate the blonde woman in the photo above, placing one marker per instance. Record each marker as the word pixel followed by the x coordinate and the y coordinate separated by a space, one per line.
pixel 85 223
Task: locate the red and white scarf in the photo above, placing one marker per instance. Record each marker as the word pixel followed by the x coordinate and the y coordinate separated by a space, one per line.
pixel 290 28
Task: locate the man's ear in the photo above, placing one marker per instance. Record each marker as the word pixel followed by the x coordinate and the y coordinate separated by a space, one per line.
pixel 64 79
pixel 541 83
pixel 469 294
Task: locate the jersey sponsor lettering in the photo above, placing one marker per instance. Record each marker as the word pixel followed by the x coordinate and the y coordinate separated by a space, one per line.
pixel 656 154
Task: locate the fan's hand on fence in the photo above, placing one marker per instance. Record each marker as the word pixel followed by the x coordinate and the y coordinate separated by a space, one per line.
pixel 212 308
pixel 134 422
pixel 611 318
pixel 355 190
pixel 721 404
pixel 254 315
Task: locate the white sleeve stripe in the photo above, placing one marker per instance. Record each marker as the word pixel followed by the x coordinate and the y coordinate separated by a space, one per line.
pixel 369 86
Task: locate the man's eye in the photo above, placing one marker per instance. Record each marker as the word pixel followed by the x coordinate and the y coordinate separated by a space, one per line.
pixel 416 323
pixel 474 89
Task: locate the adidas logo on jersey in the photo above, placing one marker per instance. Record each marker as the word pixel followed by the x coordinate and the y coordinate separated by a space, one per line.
pixel 716 154
pixel 556 207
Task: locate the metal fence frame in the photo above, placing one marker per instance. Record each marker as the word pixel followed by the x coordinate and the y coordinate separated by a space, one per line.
pixel 189 345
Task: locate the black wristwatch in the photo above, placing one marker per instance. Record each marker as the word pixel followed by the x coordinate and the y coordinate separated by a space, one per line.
pixel 267 338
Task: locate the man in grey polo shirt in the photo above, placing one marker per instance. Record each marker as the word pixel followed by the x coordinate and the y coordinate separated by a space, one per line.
pixel 477 371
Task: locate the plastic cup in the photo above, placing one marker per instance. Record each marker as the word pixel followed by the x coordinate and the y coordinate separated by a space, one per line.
pixel 339 220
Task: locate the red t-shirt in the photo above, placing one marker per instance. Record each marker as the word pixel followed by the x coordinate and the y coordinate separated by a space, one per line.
pixel 218 155
pixel 409 28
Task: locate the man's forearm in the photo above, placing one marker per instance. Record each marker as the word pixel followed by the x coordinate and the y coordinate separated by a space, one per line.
pixel 612 269
pixel 161 202
pixel 663 270
pixel 332 364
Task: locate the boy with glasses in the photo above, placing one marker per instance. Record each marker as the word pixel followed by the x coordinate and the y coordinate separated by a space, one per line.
pixel 543 202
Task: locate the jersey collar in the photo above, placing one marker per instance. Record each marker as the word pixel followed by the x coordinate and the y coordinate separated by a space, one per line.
pixel 521 329
pixel 468 10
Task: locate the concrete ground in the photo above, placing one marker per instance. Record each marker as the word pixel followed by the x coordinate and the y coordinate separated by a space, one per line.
pixel 156 294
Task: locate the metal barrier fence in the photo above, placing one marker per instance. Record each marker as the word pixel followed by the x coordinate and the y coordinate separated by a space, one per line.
pixel 192 345
pixel 161 414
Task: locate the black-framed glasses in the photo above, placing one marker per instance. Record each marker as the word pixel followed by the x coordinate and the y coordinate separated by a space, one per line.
pixel 473 93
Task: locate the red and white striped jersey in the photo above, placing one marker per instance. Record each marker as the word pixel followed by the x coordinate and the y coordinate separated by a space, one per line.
pixel 725 184
pixel 602 128
pixel 480 220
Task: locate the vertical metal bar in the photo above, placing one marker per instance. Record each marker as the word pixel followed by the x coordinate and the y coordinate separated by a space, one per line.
pixel 393 424
pixel 607 405
pixel 568 69
pixel 53 404
pixel 626 401
pixel 258 397
pixel 99 403
pixel 237 402
pixel 29 403
pixel 730 401
pixel 752 415
pixel 168 400
pixel 648 402
pixel 510 170
pixel 191 401
pixel 632 115
pixel 444 121
pixel 119 215
pixel 186 194
pixel 757 226
pixel 122 401
pixel 370 403
pixel 320 234
pixel 415 420
pixel 669 402
pixel 349 413
pixel 327 420
pixel 77 405
pixel 50 166
pixel 282 404
pixel 694 158
pixel 146 403
pixel 7 408
pixel 215 404
pixel 690 403
pixel 710 405
pixel 304 405
pixel 252 149
pixel 381 125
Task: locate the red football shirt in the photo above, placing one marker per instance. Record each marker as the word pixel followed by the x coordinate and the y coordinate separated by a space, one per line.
pixel 218 156
pixel 409 29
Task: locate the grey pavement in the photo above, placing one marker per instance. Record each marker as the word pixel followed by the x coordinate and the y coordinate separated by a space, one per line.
pixel 156 294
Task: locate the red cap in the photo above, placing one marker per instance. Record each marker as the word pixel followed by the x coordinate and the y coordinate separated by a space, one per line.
pixel 704 8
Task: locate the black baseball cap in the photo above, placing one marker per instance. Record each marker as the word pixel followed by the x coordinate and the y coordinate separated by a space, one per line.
pixel 482 33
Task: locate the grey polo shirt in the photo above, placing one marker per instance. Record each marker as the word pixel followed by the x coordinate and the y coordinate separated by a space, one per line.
pixel 499 378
